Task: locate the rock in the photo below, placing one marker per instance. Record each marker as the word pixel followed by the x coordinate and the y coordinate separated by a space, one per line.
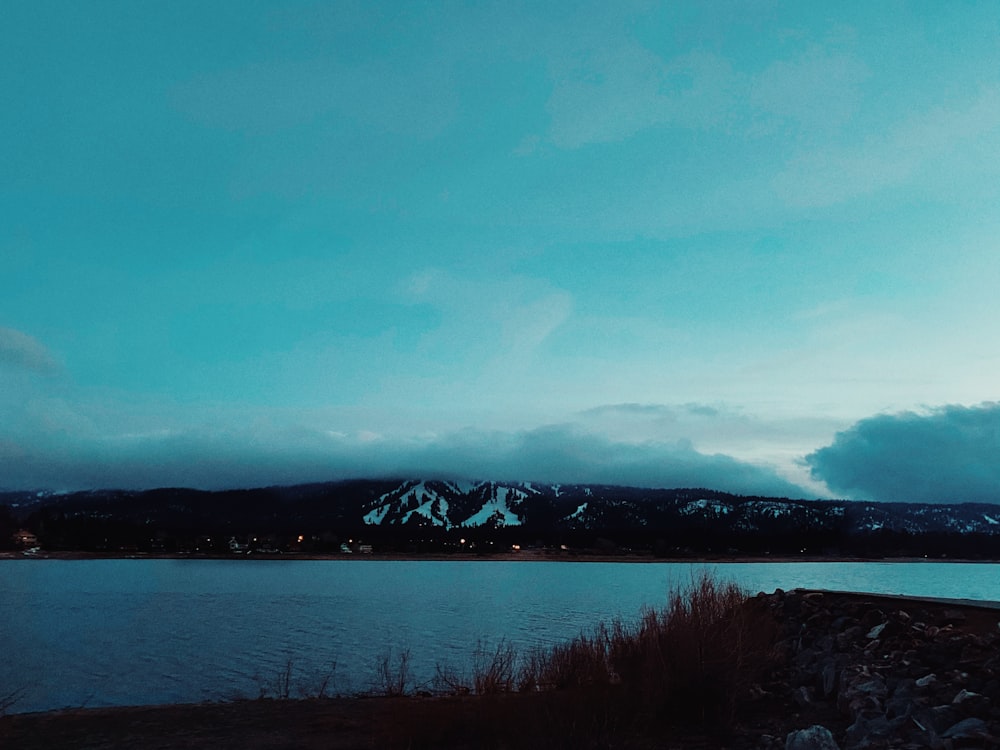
pixel 802 696
pixel 935 719
pixel 842 623
pixel 923 678
pixel 972 704
pixel 829 677
pixel 902 701
pixel 872 730
pixel 805 657
pixel 964 695
pixel 816 737
pixel 942 717
pixel 926 680
pixel 968 729
pixel 845 638
pixel 991 689
pixel 953 616
pixel 863 694
pixel 876 631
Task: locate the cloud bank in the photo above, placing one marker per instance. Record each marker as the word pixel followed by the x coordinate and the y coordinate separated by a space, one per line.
pixel 220 459
pixel 950 454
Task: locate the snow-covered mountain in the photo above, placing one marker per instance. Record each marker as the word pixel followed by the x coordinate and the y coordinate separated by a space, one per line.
pixel 451 504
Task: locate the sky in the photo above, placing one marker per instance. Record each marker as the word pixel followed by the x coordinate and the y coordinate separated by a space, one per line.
pixel 752 246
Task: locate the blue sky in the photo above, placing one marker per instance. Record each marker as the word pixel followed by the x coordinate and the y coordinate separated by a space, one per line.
pixel 679 244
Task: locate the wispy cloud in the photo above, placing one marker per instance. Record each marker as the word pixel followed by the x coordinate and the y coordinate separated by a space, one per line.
pixel 502 317
pixel 959 140
pixel 21 351
pixel 621 88
pixel 652 410
pixel 947 454
pixel 820 90
pixel 417 98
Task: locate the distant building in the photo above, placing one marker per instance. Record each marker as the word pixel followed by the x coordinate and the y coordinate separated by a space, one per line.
pixel 237 548
pixel 23 538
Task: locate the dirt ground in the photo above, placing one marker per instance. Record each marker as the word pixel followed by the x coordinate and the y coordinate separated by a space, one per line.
pixel 250 725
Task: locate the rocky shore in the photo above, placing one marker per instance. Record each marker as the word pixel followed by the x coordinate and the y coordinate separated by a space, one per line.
pixel 849 672
pixel 885 672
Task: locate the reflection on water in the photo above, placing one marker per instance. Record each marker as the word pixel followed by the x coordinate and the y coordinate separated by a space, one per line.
pixel 120 632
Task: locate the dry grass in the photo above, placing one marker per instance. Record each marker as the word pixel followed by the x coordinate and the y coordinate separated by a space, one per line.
pixel 9 700
pixel 688 663
pixel 280 687
pixel 392 675
pixel 494 670
pixel 694 659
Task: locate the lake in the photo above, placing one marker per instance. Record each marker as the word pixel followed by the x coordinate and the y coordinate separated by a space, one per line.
pixel 127 632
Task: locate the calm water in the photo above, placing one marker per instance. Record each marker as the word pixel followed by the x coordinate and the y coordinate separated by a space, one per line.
pixel 122 632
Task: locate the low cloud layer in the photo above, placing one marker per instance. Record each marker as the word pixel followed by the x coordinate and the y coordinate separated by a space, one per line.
pixel 559 453
pixel 950 454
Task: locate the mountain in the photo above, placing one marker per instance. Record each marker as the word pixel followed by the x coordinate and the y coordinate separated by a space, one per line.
pixel 428 515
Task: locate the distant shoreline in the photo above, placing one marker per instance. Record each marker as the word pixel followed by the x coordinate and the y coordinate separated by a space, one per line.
pixel 522 556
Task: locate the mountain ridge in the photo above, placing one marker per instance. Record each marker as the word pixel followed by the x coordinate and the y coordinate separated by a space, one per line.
pixel 400 513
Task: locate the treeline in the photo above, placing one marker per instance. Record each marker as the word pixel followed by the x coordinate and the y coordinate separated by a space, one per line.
pixel 328 519
pixel 59 530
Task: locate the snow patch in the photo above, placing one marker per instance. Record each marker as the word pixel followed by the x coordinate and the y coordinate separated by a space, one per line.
pixel 426 509
pixel 376 516
pixel 694 506
pixel 496 507
pixel 425 498
pixel 774 510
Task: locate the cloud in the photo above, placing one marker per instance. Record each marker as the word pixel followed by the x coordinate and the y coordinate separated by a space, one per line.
pixel 949 454
pixel 417 98
pixel 22 352
pixel 272 455
pixel 955 144
pixel 819 90
pixel 611 92
pixel 662 411
pixel 501 317
pixel 568 454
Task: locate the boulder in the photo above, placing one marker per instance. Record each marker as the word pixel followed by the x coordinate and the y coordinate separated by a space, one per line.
pixel 816 737
pixel 968 729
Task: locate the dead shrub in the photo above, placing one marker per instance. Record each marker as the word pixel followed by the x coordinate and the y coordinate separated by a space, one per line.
pixel 449 681
pixel 688 662
pixel 9 700
pixel 494 670
pixel 693 659
pixel 392 677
